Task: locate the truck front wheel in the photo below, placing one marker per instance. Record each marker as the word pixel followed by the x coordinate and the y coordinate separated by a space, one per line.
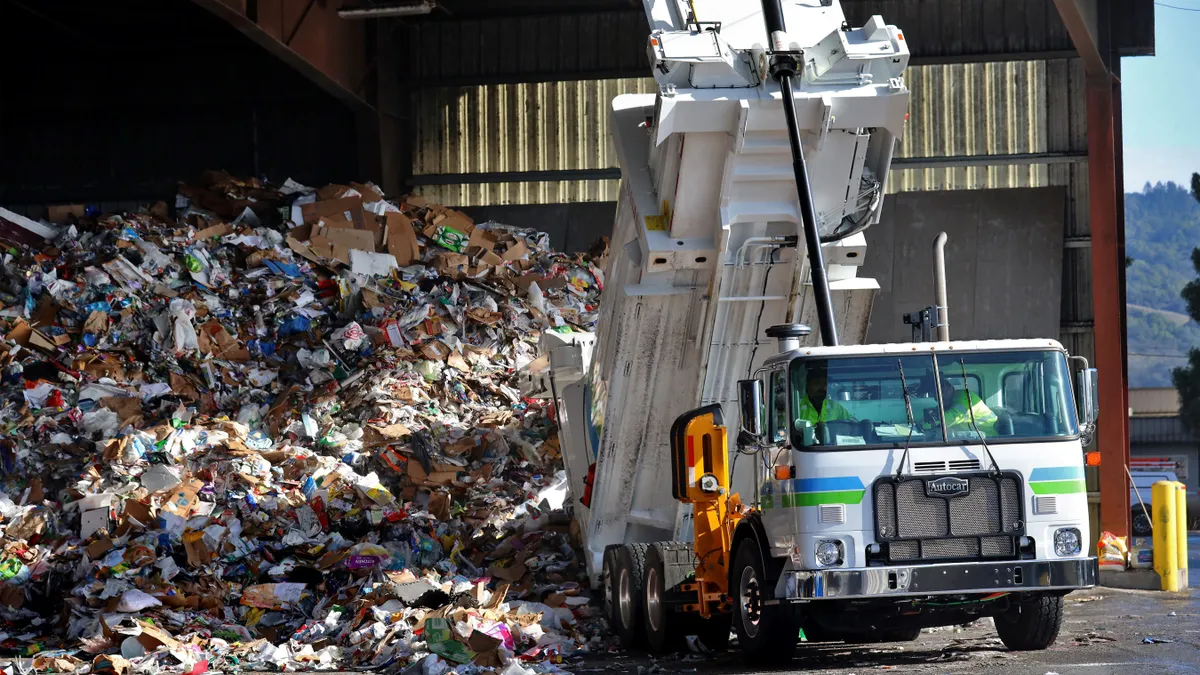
pixel 766 632
pixel 1031 623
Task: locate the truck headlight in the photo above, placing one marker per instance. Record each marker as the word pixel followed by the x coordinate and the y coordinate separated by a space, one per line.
pixel 1067 541
pixel 830 552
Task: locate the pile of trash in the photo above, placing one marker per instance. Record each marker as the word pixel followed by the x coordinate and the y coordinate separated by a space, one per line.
pixel 277 428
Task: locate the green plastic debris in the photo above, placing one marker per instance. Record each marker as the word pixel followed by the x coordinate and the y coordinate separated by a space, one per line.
pixel 440 637
pixel 448 237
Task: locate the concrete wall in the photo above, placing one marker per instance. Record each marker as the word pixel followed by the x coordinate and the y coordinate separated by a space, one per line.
pixel 573 228
pixel 1003 261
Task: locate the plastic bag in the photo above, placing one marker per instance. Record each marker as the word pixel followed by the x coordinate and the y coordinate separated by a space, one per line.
pixel 351 336
pixel 182 311
pixel 1112 550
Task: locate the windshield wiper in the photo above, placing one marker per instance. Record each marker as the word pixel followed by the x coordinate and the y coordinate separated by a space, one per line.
pixel 911 422
pixel 971 411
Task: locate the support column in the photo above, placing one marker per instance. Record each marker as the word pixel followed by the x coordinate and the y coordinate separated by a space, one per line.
pixel 1108 266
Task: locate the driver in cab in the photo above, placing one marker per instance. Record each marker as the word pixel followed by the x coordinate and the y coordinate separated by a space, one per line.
pixel 964 410
pixel 816 406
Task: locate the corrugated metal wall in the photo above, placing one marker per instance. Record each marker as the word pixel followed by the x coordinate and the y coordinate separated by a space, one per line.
pixel 960 109
pixel 974 109
pixel 543 126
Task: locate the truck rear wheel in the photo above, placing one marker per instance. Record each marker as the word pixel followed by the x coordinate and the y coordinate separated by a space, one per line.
pixel 766 633
pixel 630 565
pixel 1030 624
pixel 663 630
pixel 608 586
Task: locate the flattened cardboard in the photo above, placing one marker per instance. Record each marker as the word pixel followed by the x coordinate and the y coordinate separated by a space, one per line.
pixel 336 213
pixel 98 548
pixel 184 497
pixel 100 365
pixel 61 214
pixel 218 230
pixel 96 324
pixel 439 506
pixel 516 252
pixel 217 341
pixel 136 516
pixel 128 408
pixel 153 637
pixel 333 191
pixel 198 554
pixel 20 333
pixel 481 238
pixel 453 265
pixel 303 250
pixel 336 244
pixel 369 193
pixel 401 239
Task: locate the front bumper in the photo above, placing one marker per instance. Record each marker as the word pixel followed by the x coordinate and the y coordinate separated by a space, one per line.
pixel 943 579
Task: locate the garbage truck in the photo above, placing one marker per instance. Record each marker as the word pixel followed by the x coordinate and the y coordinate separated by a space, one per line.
pixel 736 473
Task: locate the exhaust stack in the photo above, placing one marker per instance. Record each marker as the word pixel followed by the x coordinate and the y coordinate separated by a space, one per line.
pixel 939 286
pixel 789 335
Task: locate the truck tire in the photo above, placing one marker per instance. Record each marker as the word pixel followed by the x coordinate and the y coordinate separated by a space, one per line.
pixel 630 571
pixel 608 586
pixel 1030 624
pixel 766 633
pixel 664 632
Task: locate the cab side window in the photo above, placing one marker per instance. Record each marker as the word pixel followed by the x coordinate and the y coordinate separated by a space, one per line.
pixel 779 412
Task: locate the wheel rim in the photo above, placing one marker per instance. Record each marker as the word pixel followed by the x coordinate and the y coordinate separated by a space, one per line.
pixel 1141 523
pixel 750 601
pixel 625 599
pixel 653 600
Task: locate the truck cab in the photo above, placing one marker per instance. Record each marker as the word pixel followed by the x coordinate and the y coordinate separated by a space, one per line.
pixel 914 485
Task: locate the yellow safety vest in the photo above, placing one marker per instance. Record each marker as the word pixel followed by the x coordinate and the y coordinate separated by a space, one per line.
pixel 958 417
pixel 831 411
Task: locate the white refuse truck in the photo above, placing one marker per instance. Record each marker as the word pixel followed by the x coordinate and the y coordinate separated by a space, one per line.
pixel 869 490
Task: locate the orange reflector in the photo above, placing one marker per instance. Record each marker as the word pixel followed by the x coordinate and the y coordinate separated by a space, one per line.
pixel 783 472
pixel 654 41
pixel 900 36
pixel 1092 459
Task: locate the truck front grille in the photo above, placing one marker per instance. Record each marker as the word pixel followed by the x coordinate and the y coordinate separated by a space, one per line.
pixel 915 523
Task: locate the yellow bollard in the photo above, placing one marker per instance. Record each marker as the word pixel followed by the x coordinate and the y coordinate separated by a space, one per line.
pixel 1166 534
pixel 1181 523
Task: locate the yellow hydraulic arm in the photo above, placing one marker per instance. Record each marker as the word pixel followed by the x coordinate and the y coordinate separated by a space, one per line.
pixel 700 477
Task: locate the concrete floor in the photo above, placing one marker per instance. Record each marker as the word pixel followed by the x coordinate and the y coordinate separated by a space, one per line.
pixel 1104 632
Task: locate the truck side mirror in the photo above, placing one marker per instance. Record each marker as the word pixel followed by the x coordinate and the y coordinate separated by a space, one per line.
pixel 1088 403
pixel 752 408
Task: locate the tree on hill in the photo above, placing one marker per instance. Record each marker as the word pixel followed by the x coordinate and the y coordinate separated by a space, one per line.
pixel 1187 378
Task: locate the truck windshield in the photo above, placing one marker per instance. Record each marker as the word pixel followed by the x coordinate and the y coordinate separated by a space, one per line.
pixel 953 397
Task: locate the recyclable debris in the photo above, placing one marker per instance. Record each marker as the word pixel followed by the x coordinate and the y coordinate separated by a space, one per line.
pixel 273 427
pixel 1113 551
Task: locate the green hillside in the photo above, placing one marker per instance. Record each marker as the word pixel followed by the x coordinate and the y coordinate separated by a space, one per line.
pixel 1162 226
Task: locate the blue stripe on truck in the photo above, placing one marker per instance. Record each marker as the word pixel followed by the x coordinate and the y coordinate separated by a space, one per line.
pixel 1056 473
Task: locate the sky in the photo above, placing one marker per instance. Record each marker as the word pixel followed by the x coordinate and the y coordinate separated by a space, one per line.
pixel 1161 101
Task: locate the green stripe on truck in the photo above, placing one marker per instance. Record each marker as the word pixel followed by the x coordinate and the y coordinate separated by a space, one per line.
pixel 1058 487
